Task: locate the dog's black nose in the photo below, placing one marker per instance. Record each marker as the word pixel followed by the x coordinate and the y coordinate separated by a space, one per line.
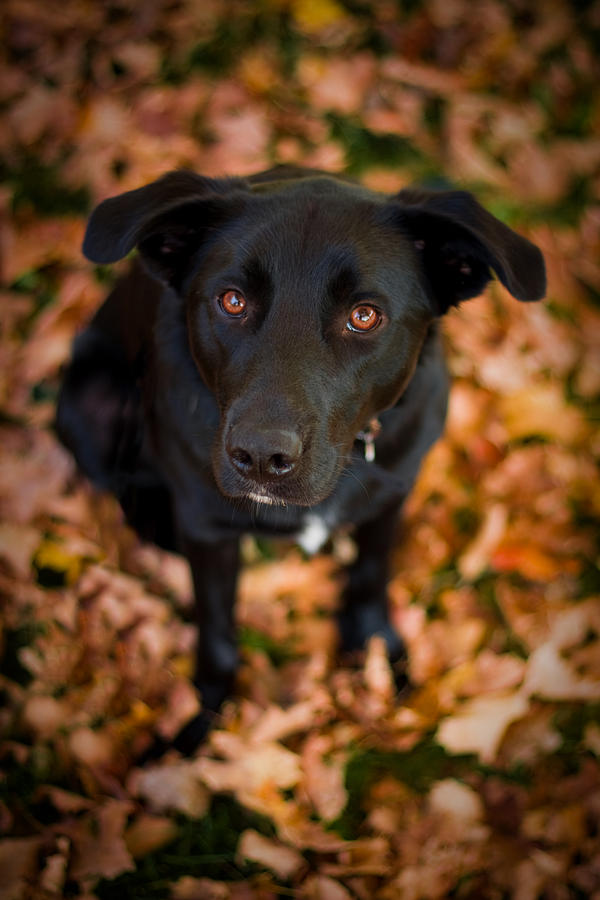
pixel 264 455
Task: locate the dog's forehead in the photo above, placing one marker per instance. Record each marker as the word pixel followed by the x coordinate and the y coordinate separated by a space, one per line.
pixel 318 208
pixel 316 226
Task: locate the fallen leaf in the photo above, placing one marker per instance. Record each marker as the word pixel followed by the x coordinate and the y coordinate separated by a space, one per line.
pixel 171 786
pixel 188 888
pixel 366 856
pixel 324 776
pixel 549 676
pixel 54 873
pixel 540 410
pixel 99 848
pixel 378 675
pixel 17 546
pixel 531 561
pixel 321 887
pixel 283 861
pixel 480 724
pixel 250 770
pixel 312 16
pixel 94 748
pixel 478 554
pixel 456 801
pixel 18 863
pixel 148 833
pixel 276 724
pixel 52 555
pixel 45 715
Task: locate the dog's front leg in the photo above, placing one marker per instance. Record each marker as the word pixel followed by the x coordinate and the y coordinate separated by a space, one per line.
pixel 214 569
pixel 364 610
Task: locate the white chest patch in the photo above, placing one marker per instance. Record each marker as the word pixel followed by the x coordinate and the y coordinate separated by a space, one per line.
pixel 313 535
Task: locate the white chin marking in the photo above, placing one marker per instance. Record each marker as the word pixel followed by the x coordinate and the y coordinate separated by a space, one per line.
pixel 260 498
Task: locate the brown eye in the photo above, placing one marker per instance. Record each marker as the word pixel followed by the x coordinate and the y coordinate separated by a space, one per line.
pixel 363 318
pixel 233 303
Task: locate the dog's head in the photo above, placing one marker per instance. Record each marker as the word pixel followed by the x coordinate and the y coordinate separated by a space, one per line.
pixel 307 300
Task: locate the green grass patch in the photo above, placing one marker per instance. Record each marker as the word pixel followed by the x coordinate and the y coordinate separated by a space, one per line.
pixel 252 639
pixel 203 848
pixel 39 185
pixel 14 639
pixel 418 769
pixel 365 150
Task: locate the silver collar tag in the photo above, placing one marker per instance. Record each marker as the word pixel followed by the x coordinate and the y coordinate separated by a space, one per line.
pixel 369 435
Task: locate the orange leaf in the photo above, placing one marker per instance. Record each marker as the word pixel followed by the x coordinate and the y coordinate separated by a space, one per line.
pixel 531 562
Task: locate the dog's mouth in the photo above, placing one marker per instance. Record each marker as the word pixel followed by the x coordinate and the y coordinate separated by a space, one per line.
pixel 265 498
pixel 304 491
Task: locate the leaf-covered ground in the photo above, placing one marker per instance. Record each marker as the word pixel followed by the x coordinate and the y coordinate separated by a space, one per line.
pixel 483 781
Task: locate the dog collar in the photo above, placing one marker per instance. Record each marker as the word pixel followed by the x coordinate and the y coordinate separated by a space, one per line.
pixel 368 435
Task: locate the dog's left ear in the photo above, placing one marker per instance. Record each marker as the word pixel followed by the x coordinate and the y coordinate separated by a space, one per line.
pixel 167 220
pixel 458 242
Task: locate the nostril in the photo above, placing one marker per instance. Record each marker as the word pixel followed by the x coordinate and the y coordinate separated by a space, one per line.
pixel 279 464
pixel 242 460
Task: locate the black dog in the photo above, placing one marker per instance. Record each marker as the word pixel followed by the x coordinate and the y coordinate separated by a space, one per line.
pixel 276 331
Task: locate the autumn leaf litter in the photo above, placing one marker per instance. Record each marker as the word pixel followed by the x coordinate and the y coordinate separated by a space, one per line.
pixel 483 780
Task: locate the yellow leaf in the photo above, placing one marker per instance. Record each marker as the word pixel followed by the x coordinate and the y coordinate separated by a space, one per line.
pixel 314 15
pixel 52 555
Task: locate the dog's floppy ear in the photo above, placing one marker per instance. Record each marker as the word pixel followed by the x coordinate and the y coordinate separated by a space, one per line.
pixel 164 219
pixel 459 242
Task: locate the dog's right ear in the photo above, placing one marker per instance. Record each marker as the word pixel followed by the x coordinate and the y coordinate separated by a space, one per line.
pixel 165 220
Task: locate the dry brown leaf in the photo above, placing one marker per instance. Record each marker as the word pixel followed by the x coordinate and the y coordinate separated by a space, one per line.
pixel 283 861
pixel 171 786
pixel 99 848
pixel 17 546
pixel 94 748
pixel 480 724
pixel 321 887
pixel 550 677
pixel 65 801
pixel 378 675
pixel 275 723
pixel 40 243
pixel 31 474
pixel 492 672
pixel 18 863
pixel 540 409
pixel 335 83
pixel 457 802
pixel 188 888
pixel 45 715
pixel 324 776
pixel 366 856
pixel 54 872
pixel 250 769
pixel 478 554
pixel 148 833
